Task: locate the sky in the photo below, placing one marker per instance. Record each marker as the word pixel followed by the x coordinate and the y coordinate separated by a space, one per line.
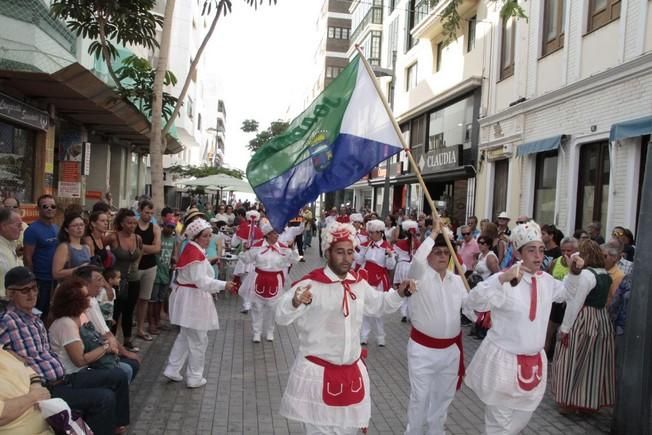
pixel 265 60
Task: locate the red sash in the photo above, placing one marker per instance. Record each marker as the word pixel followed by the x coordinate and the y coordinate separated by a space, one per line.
pixel 267 283
pixel 442 343
pixel 377 275
pixel 342 385
pixel 529 371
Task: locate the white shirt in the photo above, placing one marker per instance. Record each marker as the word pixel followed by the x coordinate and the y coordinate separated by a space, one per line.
pixel 376 254
pixel 94 314
pixel 435 307
pixel 268 259
pixel 64 331
pixel 511 328
pixel 323 329
pixel 586 283
pixel 290 233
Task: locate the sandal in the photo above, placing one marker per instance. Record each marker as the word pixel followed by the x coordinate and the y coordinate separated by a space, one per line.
pixel 130 347
pixel 154 331
pixel 144 336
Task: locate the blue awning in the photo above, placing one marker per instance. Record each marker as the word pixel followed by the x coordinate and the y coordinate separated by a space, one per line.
pixel 633 128
pixel 539 146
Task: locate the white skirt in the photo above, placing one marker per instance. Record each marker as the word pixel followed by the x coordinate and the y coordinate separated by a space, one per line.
pixel 302 400
pixel 193 308
pixel 492 375
pixel 401 271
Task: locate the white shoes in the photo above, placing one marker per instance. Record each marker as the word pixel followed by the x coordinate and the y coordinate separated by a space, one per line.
pixel 199 384
pixel 381 341
pixel 363 341
pixel 173 377
pixel 270 336
pixel 256 338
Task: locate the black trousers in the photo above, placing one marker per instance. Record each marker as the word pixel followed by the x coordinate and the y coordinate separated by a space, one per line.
pixel 125 303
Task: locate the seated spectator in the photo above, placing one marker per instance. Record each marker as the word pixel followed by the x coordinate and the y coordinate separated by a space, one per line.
pixel 23 331
pixel 20 391
pixel 94 282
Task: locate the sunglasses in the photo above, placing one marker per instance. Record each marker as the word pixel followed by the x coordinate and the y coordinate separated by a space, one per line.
pixel 51 207
pixel 520 222
pixel 25 290
pixel 481 242
pixel 466 234
pixel 618 234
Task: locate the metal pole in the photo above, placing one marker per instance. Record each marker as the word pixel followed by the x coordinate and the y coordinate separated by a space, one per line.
pixel 413 163
pixel 632 415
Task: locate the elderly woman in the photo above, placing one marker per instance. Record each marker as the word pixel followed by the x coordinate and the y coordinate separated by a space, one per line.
pixel 583 369
pixel 192 306
pixel 70 302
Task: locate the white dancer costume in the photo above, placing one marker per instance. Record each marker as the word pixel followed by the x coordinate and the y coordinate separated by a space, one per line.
pixel 376 262
pixel 193 309
pixel 270 268
pixel 404 250
pixel 509 370
pixel 329 347
pixel 435 359
pixel 246 235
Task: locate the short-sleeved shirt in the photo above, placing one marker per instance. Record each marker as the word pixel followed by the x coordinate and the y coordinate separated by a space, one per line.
pixel 64 331
pixel 43 237
pixel 163 260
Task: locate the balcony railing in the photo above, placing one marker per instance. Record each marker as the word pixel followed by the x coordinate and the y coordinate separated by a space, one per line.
pixel 422 9
pixel 373 16
pixel 37 13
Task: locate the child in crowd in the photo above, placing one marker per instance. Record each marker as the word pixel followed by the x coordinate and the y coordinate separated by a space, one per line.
pixel 107 296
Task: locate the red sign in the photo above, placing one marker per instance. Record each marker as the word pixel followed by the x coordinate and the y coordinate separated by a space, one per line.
pixel 93 194
pixel 70 172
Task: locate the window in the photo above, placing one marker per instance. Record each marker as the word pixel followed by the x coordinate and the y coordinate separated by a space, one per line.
pixel 553 26
pixel 199 121
pixel 345 33
pixel 331 32
pixel 501 175
pixel 418 135
pixel 592 184
pixel 17 162
pixel 440 55
pixel 338 33
pixel 470 36
pixel 602 12
pixel 333 71
pixel 410 40
pixel 189 108
pixel 411 77
pixel 508 39
pixel 545 187
pixel 392 5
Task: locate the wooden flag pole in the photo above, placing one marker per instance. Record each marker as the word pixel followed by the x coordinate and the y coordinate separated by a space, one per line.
pixel 415 167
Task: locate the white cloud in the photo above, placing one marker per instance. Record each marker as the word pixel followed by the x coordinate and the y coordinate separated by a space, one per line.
pixel 265 64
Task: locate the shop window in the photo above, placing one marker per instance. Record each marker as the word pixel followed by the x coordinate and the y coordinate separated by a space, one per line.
pixel 593 184
pixel 508 40
pixel 470 34
pixel 411 77
pixel 545 187
pixel 16 162
pixel 553 26
pixel 440 55
pixel 501 175
pixel 602 12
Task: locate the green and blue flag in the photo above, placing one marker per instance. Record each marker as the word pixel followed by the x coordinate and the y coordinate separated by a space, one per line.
pixel 337 140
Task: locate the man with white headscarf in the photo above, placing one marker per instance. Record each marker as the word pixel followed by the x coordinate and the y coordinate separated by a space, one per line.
pixel 328 386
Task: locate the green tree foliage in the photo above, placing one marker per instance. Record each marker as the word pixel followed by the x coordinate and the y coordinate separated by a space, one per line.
pixel 262 137
pixel 451 20
pixel 187 171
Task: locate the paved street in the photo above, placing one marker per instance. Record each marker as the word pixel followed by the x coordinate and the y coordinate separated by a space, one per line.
pixel 246 382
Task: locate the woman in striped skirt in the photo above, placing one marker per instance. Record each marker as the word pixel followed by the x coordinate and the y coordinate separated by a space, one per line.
pixel 583 368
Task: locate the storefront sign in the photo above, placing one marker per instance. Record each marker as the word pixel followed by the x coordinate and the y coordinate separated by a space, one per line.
pixel 69 190
pixel 70 172
pixel 21 113
pixel 93 194
pixel 440 159
pixel 86 158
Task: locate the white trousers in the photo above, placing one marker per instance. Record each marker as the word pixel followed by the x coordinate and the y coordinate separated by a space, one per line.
pixel 369 323
pixel 262 315
pixel 505 421
pixel 313 429
pixel 405 308
pixel 433 381
pixel 190 344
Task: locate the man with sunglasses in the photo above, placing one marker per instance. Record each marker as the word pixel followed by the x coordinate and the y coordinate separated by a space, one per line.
pixel 40 244
pixel 468 249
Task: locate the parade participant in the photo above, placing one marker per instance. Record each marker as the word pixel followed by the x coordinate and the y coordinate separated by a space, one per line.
pixel 377 259
pixel 509 370
pixel 271 260
pixel 192 307
pixel 405 248
pixel 327 307
pixel 332 217
pixel 583 368
pixel 245 236
pixel 358 223
pixel 434 351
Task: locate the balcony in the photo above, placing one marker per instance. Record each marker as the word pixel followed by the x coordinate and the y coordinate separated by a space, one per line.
pixel 373 16
pixel 37 13
pixel 422 9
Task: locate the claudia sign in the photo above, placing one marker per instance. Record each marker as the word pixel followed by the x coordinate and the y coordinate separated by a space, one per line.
pixel 440 159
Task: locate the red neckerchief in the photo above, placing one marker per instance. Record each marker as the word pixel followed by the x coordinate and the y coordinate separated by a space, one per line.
pixel 190 254
pixel 319 275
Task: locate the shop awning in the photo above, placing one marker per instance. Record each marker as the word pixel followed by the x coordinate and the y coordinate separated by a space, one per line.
pixel 633 128
pixel 539 146
pixel 78 94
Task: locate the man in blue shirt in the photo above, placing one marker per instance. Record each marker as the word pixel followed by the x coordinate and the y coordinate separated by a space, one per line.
pixel 40 242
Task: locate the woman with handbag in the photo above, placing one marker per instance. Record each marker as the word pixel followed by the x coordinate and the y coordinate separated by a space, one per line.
pixel 87 367
pixel 98 225
pixel 71 252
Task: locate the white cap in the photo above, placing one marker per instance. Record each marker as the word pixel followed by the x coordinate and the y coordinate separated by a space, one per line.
pixel 252 214
pixel 338 232
pixel 195 227
pixel 375 225
pixel 266 228
pixel 525 233
pixel 356 217
pixel 408 225
pixel 503 215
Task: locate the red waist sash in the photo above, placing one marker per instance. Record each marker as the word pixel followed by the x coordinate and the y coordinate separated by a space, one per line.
pixel 185 285
pixel 529 371
pixel 442 343
pixel 267 283
pixel 342 385
pixel 377 275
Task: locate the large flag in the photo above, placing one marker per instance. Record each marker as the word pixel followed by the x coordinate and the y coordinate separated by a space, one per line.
pixel 342 136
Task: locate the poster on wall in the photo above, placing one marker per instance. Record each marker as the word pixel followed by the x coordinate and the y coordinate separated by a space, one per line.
pixel 70 146
pixel 69 190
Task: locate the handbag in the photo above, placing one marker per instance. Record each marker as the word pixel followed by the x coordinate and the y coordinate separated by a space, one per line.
pixel 92 340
